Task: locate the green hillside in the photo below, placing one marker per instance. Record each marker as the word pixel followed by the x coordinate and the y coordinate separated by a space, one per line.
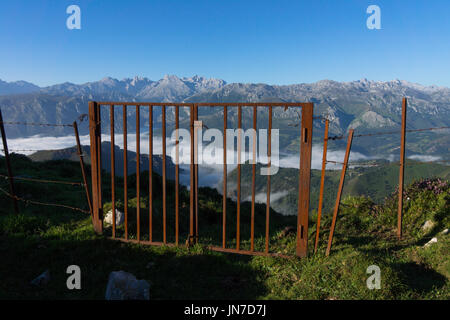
pixel 42 238
pixel 375 182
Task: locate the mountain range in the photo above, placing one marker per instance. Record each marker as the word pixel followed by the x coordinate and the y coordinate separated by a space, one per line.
pixel 363 105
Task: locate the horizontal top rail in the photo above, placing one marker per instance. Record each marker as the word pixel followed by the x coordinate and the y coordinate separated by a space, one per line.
pixel 206 104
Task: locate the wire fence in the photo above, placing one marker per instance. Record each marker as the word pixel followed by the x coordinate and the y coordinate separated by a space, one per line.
pixel 21 150
pixel 340 137
pixel 37 124
pixel 79 120
pixel 372 163
pixel 73 183
pixel 28 201
pixel 11 178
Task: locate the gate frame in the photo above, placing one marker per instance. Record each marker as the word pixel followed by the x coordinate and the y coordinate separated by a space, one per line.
pixel 304 169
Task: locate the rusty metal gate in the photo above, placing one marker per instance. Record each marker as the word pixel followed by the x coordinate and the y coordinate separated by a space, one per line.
pixel 95 124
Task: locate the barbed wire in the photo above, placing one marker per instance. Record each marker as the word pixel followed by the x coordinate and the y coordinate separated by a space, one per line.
pixel 362 164
pixel 42 203
pixel 335 137
pixel 395 132
pixel 426 162
pixel 21 150
pixel 395 163
pixel 388 132
pixel 73 183
pixel 333 162
pixel 435 128
pixel 37 124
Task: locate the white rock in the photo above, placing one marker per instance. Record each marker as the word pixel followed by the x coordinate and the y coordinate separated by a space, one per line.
pixel 427 225
pixel 434 240
pixel 120 217
pixel 124 286
pixel 444 232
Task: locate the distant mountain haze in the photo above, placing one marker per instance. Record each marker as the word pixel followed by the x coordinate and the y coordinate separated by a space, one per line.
pixel 17 87
pixel 364 105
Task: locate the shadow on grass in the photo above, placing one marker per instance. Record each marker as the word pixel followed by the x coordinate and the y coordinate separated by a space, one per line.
pixel 172 273
pixel 419 278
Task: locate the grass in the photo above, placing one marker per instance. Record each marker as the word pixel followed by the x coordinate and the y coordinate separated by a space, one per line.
pixel 43 238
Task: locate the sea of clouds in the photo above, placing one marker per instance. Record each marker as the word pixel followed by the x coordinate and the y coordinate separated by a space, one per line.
pixel 209 172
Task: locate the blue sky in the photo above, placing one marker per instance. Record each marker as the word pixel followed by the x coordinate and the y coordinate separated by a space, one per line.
pixel 274 42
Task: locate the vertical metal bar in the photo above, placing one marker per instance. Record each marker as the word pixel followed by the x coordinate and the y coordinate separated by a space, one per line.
pixel 164 171
pixel 402 170
pixel 99 168
pixel 191 172
pixel 322 183
pixel 304 179
pixel 83 170
pixel 138 172
pixel 113 171
pixel 252 227
pixel 8 165
pixel 93 132
pixel 196 174
pixel 177 172
pixel 125 170
pixel 339 194
pixel 269 163
pixel 238 218
pixel 224 204
pixel 150 174
pixel 93 150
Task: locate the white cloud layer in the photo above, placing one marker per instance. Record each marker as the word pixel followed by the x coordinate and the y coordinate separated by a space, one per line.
pixel 210 172
pixel 262 197
pixel 424 158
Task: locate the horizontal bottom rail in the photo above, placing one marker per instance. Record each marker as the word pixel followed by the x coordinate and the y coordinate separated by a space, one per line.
pixel 212 248
pixel 251 253
pixel 149 243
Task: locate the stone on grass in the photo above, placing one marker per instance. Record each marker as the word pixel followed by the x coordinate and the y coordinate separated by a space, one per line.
pixel 444 232
pixel 124 286
pixel 434 240
pixel 427 225
pixel 120 218
pixel 42 279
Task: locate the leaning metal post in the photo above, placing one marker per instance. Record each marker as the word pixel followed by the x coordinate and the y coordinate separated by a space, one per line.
pixel 341 185
pixel 83 170
pixel 402 171
pixel 8 165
